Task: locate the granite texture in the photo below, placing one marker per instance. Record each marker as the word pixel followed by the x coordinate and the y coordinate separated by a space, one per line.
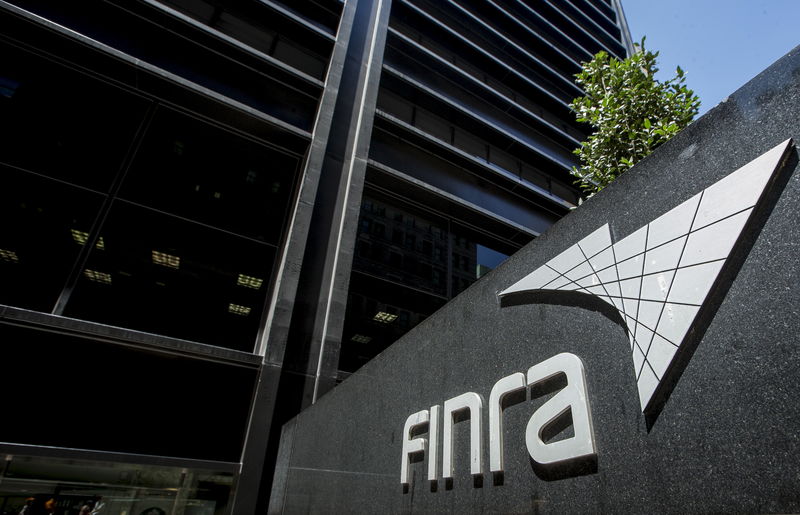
pixel 727 439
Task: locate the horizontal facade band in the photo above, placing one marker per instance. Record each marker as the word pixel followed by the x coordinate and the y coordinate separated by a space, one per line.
pixel 116 457
pixel 480 89
pixel 502 46
pixel 528 37
pixel 599 11
pixel 126 337
pixel 588 26
pixel 559 37
pixel 470 163
pixel 241 52
pixel 558 80
pixel 448 204
pixel 489 61
pixel 132 73
pixel 492 133
pixel 299 20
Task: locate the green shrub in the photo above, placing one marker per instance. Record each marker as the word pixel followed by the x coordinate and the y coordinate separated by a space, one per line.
pixel 631 111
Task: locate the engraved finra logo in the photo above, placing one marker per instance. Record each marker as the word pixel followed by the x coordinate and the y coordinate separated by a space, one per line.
pixel 658 278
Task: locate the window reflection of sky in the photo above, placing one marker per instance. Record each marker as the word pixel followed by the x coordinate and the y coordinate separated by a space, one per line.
pixel 8 87
pixel 489 258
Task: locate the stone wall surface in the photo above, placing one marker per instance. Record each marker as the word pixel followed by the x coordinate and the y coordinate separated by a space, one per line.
pixel 728 437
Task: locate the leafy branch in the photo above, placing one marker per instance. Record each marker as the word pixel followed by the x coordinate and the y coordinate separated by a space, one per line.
pixel 631 111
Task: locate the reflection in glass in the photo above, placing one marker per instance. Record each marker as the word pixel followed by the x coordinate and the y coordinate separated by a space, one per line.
pixel 37 238
pixel 257 28
pixel 205 173
pixel 164 275
pixel 203 279
pixel 61 486
pixel 61 123
pixel 402 244
pixel 378 313
pixel 473 255
pixel 408 262
pixel 487 259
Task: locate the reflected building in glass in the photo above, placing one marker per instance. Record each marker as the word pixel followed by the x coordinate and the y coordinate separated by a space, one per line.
pixel 215 211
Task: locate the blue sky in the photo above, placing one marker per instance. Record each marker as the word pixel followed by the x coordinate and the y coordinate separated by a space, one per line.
pixel 721 44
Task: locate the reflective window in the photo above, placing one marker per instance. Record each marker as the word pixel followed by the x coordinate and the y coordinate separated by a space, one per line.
pixel 58 122
pixel 415 162
pixel 404 271
pixel 402 244
pixel 85 393
pixel 164 275
pixel 185 54
pixel 45 224
pixel 46 485
pixel 185 250
pixel 487 259
pixel 472 260
pixel 378 313
pixel 262 29
pixel 192 169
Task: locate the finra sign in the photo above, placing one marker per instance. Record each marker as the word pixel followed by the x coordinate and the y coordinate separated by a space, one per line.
pixel 571 399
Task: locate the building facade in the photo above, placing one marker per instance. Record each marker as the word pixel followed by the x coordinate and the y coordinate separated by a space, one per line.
pixel 215 211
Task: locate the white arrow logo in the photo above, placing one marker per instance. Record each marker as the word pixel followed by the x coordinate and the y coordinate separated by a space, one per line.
pixel 659 276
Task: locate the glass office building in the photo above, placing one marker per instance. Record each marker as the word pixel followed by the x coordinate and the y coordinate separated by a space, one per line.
pixel 216 210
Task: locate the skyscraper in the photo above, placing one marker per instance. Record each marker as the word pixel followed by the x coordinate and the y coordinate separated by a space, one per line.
pixel 216 210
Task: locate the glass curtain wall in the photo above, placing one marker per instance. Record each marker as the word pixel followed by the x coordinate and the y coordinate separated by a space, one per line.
pixel 35 485
pixel 124 211
pixel 408 262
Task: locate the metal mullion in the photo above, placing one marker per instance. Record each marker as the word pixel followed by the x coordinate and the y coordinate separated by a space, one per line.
pixel 423 136
pixel 125 337
pixel 116 457
pixel 102 215
pixel 196 222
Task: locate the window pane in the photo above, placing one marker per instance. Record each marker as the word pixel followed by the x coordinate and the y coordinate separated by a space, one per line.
pixel 487 259
pixel 407 263
pixel 378 313
pixel 69 486
pixel 258 28
pixel 84 393
pixel 199 171
pixel 45 223
pixel 61 123
pixel 183 55
pixel 402 244
pixel 168 276
pixel 473 255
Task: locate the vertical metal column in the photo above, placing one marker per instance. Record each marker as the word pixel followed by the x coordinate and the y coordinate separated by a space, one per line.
pixel 347 162
pixel 301 339
pixel 622 22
